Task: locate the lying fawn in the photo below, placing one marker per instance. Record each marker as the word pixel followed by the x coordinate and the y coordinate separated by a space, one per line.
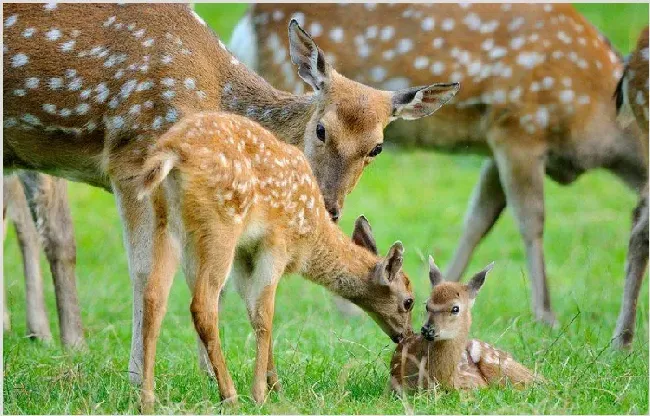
pixel 250 203
pixel 443 354
pixel 37 204
pixel 632 100
pixel 536 98
pixel 85 98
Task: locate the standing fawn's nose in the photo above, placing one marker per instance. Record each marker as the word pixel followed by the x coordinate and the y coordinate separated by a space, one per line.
pixel 428 332
pixel 334 212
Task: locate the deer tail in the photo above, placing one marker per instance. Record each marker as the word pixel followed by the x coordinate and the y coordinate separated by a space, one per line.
pixel 155 170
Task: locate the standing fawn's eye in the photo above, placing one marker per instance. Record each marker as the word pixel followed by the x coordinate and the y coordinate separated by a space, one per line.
pixel 455 310
pixel 408 304
pixel 375 151
pixel 320 132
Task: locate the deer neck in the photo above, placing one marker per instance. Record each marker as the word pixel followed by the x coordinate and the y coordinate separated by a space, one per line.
pixel 446 356
pixel 338 264
pixel 284 114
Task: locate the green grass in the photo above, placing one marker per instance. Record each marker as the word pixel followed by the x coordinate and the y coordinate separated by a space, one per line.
pixel 331 365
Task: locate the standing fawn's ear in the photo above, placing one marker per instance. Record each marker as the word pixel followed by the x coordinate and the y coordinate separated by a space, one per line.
pixel 362 235
pixel 416 102
pixel 389 268
pixel 477 281
pixel 308 57
pixel 435 275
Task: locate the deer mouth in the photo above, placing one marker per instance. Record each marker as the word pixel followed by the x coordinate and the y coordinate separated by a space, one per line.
pixel 397 338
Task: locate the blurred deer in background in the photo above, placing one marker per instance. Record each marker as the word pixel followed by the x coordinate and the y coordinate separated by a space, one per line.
pixel 251 203
pixel 443 354
pixel 536 97
pixel 37 204
pixel 86 98
pixel 632 103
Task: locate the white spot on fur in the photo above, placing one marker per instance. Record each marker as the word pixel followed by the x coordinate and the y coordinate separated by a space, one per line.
pixel 11 20
pixel 404 45
pixel 566 96
pixel 448 24
pixel 336 34
pixel 530 59
pixel 421 62
pixel 19 60
pixel 498 52
pixel 32 83
pixel 387 33
pixel 428 24
pixel 82 108
pixel 437 43
pixel 396 83
pixel 437 68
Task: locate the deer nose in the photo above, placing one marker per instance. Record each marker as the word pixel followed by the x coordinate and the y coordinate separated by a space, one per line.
pixel 334 212
pixel 428 332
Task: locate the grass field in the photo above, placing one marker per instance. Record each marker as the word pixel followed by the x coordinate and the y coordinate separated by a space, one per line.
pixel 328 364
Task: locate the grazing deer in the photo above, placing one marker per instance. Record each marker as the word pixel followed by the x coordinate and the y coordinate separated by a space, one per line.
pixel 536 97
pixel 632 99
pixel 249 202
pixel 37 204
pixel 443 354
pixel 86 98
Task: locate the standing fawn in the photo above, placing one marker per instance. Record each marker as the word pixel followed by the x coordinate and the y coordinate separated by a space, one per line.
pixel 443 354
pixel 632 99
pixel 37 204
pixel 536 97
pixel 85 99
pixel 246 201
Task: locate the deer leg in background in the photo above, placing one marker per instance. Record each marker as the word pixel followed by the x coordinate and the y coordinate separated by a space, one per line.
pixel 48 200
pixel 635 267
pixel 485 207
pixel 521 170
pixel 38 325
pixel 6 316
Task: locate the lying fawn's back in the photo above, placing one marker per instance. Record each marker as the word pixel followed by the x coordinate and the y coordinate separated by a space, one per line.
pixel 543 69
pixel 234 165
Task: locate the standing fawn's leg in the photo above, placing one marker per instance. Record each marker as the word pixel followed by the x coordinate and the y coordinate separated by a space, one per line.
pixel 485 207
pixel 48 199
pixel 521 169
pixel 156 294
pixel 137 223
pixel 215 251
pixel 38 325
pixel 635 267
pixel 6 317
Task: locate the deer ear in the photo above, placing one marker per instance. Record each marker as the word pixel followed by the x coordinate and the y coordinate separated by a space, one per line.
pixel 477 281
pixel 308 57
pixel 394 260
pixel 413 103
pixel 362 235
pixel 435 275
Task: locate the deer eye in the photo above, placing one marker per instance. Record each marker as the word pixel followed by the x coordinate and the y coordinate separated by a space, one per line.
pixel 408 304
pixel 377 150
pixel 455 310
pixel 320 132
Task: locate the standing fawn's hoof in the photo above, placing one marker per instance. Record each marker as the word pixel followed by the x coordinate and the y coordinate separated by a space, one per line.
pixel 146 402
pixel 547 318
pixel 272 382
pixel 622 340
pixel 135 375
pixel 230 402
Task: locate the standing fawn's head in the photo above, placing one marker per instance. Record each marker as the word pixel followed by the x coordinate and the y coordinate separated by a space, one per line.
pixel 448 307
pixel 389 297
pixel 345 132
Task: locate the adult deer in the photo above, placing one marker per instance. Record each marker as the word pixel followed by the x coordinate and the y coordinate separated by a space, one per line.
pixel 86 98
pixel 251 203
pixel 536 98
pixel 37 204
pixel 632 100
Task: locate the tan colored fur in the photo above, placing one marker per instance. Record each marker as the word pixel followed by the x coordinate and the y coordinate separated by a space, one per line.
pixel 450 358
pixel 536 98
pixel 251 203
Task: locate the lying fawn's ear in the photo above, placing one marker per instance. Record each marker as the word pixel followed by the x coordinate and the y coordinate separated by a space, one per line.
pixel 312 66
pixel 413 103
pixel 477 281
pixel 435 275
pixel 362 235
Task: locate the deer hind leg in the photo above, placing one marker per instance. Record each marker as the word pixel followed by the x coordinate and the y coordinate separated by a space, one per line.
pixel 48 199
pixel 485 207
pixel 38 325
pixel 6 316
pixel 214 246
pixel 635 267
pixel 156 294
pixel 258 291
pixel 521 170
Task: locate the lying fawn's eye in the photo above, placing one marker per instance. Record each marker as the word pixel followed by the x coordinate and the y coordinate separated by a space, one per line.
pixel 408 304
pixel 375 151
pixel 455 310
pixel 320 132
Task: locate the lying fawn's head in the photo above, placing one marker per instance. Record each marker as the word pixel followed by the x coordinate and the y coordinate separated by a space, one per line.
pixel 389 296
pixel 448 307
pixel 345 132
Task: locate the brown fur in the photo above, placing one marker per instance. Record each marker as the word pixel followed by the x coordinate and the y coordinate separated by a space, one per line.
pixel 251 203
pixel 633 95
pixel 451 359
pixel 537 81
